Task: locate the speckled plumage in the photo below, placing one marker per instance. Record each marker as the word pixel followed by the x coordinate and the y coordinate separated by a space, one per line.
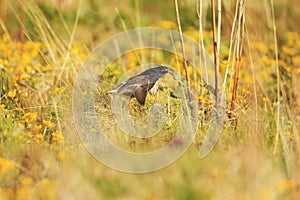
pixel 139 85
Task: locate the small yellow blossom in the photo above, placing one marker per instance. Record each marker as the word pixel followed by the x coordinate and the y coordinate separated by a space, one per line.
pixel 200 98
pixel 48 124
pixel 30 117
pixel 39 136
pixel 37 128
pixel 288 133
pixel 261 47
pixel 10 193
pixel 16 78
pixel 25 77
pixel 60 156
pixel 285 185
pixel 26 181
pixel 2 106
pixel 296 60
pixel 292 37
pixel 5 165
pixel 58 91
pixel 29 135
pixel 6 38
pixel 12 94
pixel 288 50
pixel 4 62
pixel 166 24
pixel 24 94
pixel 58 136
pixel 208 102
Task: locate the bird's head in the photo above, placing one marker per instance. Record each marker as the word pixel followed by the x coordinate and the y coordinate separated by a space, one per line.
pixel 163 70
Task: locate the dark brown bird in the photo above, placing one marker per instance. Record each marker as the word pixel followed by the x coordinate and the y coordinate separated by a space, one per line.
pixel 139 85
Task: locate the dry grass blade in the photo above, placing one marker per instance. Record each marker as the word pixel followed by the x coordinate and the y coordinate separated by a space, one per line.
pixel 183 49
pixel 238 54
pixel 216 52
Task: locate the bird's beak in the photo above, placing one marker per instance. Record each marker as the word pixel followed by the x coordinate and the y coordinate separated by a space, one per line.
pixel 171 71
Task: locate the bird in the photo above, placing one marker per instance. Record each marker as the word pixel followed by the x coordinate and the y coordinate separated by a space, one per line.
pixel 138 86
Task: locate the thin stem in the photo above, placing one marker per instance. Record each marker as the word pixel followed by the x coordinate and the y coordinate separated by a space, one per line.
pixel 239 45
pixel 254 80
pixel 219 27
pixel 216 55
pixel 278 78
pixel 22 18
pixel 201 40
pixel 230 47
pixel 69 45
pixel 182 49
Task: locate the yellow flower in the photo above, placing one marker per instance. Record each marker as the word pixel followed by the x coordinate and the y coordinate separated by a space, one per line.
pixel 5 165
pixel 38 137
pixel 288 50
pixel 30 117
pixel 12 94
pixel 10 193
pixel 48 67
pixel 292 37
pixel 37 128
pixel 60 156
pixel 26 181
pixel 25 77
pixel 58 91
pixel 296 60
pixel 200 98
pixel 166 24
pixel 27 134
pixel 288 133
pixel 207 101
pixel 261 47
pixel 285 185
pixel 207 35
pixel 45 189
pixel 192 33
pixel 190 70
pixel 4 63
pixel 58 136
pixel 2 106
pixel 6 38
pixel 48 124
pixel 24 94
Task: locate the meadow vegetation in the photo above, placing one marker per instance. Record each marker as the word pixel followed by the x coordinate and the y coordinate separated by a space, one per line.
pixel 42 46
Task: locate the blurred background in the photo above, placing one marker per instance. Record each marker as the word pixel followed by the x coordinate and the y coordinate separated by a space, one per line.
pixel 99 19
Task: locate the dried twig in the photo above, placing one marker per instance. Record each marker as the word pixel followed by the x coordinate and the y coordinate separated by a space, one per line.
pixel 182 49
pixel 239 45
pixel 216 53
pixel 201 40
pixel 22 17
pixel 278 78
pixel 233 32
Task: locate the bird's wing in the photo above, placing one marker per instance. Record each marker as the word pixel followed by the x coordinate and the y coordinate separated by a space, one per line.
pixel 117 88
pixel 139 79
pixel 140 95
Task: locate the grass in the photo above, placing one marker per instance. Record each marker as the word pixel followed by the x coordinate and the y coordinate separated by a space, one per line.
pixel 42 157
